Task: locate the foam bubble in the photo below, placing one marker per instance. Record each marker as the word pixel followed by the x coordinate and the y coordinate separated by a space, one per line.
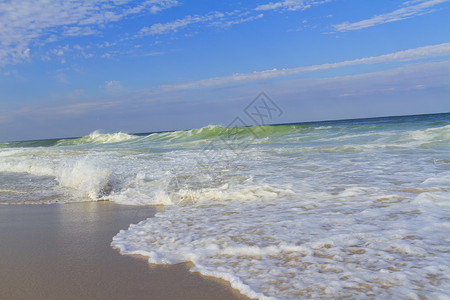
pixel 273 251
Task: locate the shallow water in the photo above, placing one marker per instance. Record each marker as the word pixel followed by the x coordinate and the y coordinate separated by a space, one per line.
pixel 356 208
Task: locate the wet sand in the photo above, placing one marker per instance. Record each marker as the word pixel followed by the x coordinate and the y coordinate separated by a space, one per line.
pixel 63 251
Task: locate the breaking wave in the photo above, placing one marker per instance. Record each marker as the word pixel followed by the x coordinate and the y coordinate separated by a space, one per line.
pixel 97 138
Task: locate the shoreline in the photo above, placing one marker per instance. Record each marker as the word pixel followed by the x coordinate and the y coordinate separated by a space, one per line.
pixel 62 251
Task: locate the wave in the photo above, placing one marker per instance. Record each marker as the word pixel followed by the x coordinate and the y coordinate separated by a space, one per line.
pixel 85 177
pixel 431 134
pixel 210 132
pixel 221 132
pixel 97 137
pixel 28 144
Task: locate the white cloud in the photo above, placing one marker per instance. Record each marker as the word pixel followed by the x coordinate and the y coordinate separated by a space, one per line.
pixel 439 50
pixel 215 18
pixel 410 9
pixel 229 23
pixel 106 45
pixel 174 26
pixel 25 23
pixel 156 53
pixel 60 52
pixel 112 83
pixel 79 31
pixel 114 87
pixel 292 5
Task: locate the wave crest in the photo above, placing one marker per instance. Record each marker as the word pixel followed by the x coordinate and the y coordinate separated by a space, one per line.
pixel 223 132
pixel 97 137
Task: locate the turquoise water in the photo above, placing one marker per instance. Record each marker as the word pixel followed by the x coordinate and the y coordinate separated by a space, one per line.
pixel 354 208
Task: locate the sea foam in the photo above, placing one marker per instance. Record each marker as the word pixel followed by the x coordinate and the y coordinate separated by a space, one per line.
pixel 355 209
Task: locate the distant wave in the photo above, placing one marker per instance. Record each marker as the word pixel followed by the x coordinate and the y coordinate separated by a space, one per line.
pixel 222 132
pixel 431 134
pixel 266 133
pixel 27 144
pixel 192 135
pixel 97 138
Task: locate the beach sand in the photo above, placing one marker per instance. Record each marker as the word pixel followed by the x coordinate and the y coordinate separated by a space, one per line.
pixel 62 251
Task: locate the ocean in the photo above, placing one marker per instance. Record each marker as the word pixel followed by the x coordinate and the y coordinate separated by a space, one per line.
pixel 352 208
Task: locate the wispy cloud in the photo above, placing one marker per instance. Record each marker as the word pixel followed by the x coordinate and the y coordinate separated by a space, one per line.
pixel 61 52
pixel 229 23
pixel 156 53
pixel 439 50
pixel 291 5
pixel 361 95
pixel 26 23
pixel 174 26
pixel 79 31
pixel 410 9
pixel 216 18
pixel 114 87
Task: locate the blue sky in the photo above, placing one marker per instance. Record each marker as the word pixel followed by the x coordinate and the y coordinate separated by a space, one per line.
pixel 68 68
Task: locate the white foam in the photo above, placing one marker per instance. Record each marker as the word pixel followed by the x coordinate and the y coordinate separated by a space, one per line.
pixel 352 222
pixel 86 178
pixel 97 137
pixel 430 134
pixel 274 251
pixel 341 212
pixel 83 174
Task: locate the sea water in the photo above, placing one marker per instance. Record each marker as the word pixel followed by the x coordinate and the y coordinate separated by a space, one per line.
pixel 354 208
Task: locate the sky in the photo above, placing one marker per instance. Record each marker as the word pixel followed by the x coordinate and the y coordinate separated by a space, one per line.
pixel 68 68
